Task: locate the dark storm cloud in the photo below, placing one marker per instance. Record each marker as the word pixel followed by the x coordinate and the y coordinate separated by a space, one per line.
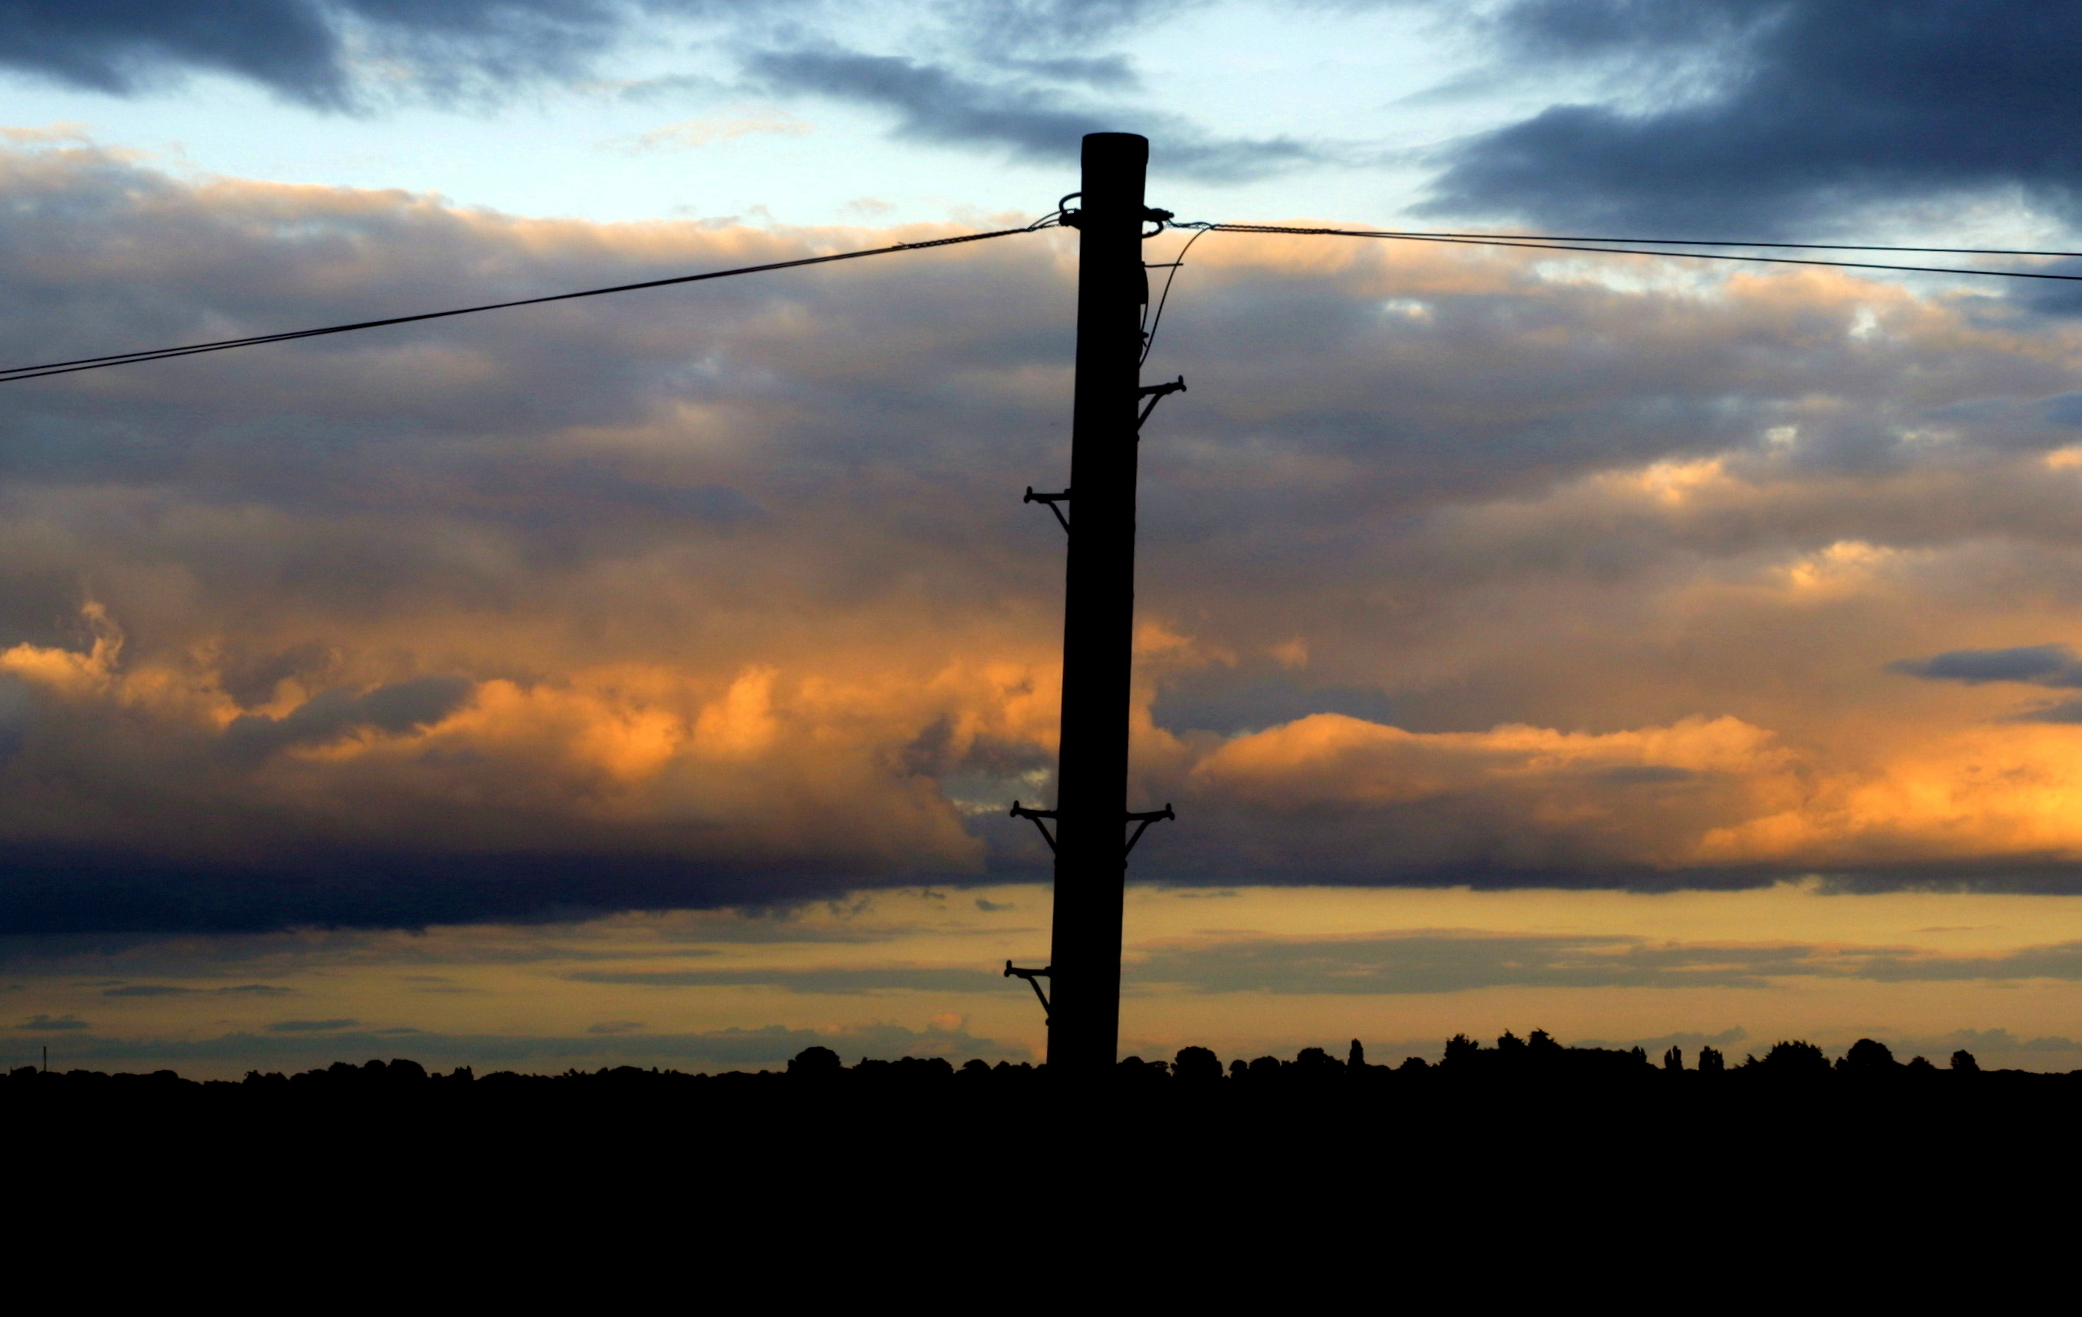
pixel 933 103
pixel 2041 665
pixel 1774 117
pixel 301 48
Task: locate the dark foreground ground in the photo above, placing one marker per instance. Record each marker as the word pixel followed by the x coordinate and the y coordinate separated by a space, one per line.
pixel 1514 1160
pixel 1477 1101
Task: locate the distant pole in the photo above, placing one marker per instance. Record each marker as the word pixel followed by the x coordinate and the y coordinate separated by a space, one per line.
pixel 1098 612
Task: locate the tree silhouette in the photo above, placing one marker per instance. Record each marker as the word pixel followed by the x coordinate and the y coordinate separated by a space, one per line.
pixel 1711 1062
pixel 1197 1065
pixel 1963 1060
pixel 1797 1057
pixel 1673 1059
pixel 815 1063
pixel 1355 1059
pixel 1867 1057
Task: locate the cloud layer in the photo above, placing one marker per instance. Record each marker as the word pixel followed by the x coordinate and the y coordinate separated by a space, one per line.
pixel 1457 567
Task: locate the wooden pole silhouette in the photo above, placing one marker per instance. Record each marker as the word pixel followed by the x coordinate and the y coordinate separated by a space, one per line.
pixel 1098 611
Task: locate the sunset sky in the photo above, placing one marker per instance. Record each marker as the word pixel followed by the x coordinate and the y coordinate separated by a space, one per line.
pixel 1645 650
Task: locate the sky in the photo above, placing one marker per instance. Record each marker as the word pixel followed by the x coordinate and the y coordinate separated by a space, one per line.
pixel 1648 651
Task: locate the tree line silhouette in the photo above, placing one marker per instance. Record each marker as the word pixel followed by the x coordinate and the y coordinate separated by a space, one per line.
pixel 1466 1065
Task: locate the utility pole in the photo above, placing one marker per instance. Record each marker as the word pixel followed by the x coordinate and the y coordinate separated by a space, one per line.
pixel 1098 613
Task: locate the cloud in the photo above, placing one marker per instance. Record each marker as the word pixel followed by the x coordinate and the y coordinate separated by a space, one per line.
pixel 1449 961
pixel 53 1023
pixel 1738 118
pixel 933 103
pixel 318 52
pixel 400 707
pixel 840 981
pixel 696 133
pixel 311 1026
pixel 147 990
pixel 718 1049
pixel 2042 665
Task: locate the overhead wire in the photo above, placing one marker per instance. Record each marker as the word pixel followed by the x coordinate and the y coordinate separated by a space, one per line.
pixel 1537 245
pixel 9 375
pixel 1532 242
pixel 1716 242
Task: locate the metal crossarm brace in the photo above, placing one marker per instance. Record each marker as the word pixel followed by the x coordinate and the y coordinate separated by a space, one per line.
pixel 1051 500
pixel 1020 811
pixel 1033 978
pixel 1156 393
pixel 1142 822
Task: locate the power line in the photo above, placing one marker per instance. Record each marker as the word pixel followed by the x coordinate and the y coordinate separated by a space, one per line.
pixel 1533 245
pixel 11 374
pixel 1711 242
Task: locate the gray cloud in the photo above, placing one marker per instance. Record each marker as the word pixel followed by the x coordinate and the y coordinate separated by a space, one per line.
pixel 1762 118
pixel 302 49
pixel 2041 665
pixel 936 104
pixel 836 981
pixel 1450 962
pixel 771 1045
pixel 1422 963
pixel 1232 700
pixel 54 1023
pixel 311 1026
pixel 398 707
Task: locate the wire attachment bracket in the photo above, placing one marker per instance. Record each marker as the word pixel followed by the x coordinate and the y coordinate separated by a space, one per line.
pixel 1033 977
pixel 1051 500
pixel 1142 822
pixel 1020 811
pixel 1156 393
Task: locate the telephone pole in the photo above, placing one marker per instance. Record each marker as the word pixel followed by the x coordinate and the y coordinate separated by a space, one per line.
pixel 1091 810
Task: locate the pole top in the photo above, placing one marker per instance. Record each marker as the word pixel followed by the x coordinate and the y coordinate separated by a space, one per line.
pixel 1116 148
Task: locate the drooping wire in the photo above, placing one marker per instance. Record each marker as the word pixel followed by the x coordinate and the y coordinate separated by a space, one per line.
pixel 9 375
pixel 1539 245
pixel 1149 333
